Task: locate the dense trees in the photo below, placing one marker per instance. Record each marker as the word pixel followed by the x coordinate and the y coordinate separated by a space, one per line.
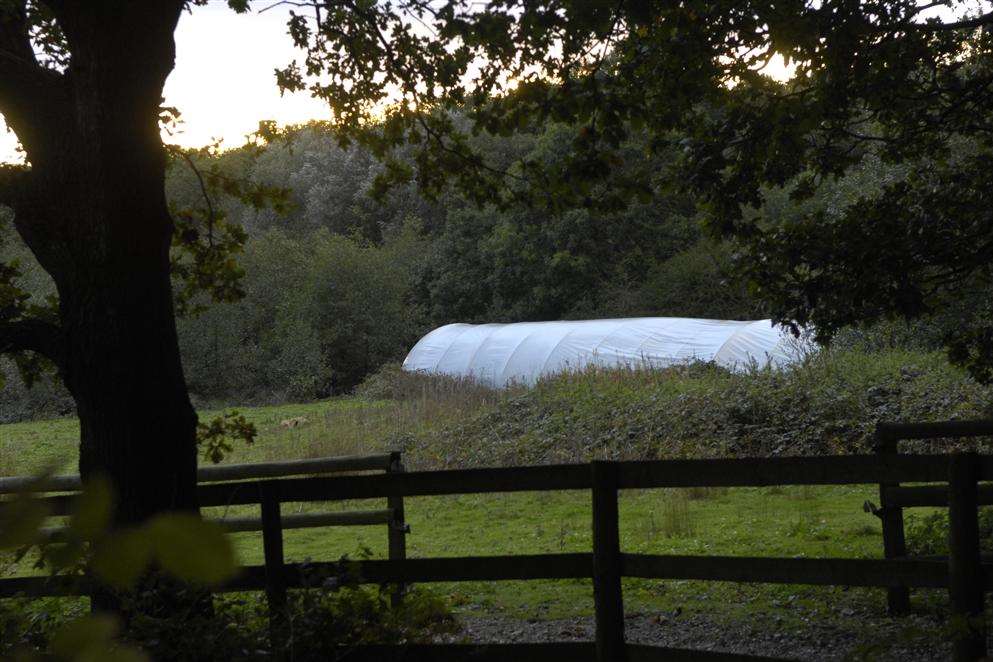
pixel 320 312
pixel 328 300
pixel 330 296
pixel 907 82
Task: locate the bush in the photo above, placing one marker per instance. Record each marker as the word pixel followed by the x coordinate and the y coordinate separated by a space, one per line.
pixel 392 382
pixel 29 624
pixel 319 314
pixel 321 620
pixel 698 282
pixel 927 535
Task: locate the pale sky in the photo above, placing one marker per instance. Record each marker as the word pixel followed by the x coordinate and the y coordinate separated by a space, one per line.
pixel 223 83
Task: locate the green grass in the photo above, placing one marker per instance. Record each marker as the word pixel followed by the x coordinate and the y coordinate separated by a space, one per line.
pixel 38 445
pixel 339 427
pixel 823 522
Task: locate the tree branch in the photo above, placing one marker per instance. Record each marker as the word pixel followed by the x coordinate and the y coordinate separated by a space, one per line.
pixel 17 191
pixel 14 185
pixel 937 26
pixel 31 335
pixel 28 90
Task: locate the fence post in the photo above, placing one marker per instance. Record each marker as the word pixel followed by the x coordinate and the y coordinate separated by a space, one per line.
pixel 275 574
pixel 894 542
pixel 965 571
pixel 607 595
pixel 397 528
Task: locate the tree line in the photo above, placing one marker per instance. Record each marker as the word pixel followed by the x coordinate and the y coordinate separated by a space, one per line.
pixel 339 283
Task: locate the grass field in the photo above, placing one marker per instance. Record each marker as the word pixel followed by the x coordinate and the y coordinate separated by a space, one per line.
pixel 762 522
pixel 827 522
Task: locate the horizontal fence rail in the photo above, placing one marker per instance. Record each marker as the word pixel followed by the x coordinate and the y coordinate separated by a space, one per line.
pixel 221 472
pixel 763 472
pixel 935 430
pixel 963 573
pixel 815 571
pixel 312 520
pixel 929 495
pixel 878 573
pixel 836 470
pixel 299 521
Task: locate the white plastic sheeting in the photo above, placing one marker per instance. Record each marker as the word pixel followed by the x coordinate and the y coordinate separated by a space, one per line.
pixel 501 354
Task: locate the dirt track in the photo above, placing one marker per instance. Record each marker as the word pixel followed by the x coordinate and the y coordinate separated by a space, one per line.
pixel 910 638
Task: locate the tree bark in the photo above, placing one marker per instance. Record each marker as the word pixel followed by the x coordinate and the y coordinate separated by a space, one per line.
pixel 122 366
pixel 97 219
pixel 122 361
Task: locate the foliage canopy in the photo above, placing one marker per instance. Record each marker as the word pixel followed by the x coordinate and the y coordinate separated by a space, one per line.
pixel 898 81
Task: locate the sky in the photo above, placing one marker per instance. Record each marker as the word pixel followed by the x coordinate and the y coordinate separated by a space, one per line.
pixel 223 83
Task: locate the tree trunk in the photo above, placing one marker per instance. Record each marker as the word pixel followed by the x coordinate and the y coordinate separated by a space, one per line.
pixel 120 358
pixel 122 365
pixel 100 226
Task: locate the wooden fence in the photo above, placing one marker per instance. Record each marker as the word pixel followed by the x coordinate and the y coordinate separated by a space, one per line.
pixel 392 517
pixel 963 573
pixel 894 498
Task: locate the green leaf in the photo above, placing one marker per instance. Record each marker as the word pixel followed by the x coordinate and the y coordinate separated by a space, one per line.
pixel 84 634
pixel 121 558
pixel 93 510
pixel 20 522
pixel 191 548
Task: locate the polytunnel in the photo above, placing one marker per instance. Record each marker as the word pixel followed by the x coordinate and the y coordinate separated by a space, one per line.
pixel 502 354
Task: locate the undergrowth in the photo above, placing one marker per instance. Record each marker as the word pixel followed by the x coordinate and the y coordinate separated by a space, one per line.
pixel 828 404
pixel 323 623
pixel 927 535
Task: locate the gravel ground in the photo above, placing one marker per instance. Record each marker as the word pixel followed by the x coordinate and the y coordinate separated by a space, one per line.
pixel 910 638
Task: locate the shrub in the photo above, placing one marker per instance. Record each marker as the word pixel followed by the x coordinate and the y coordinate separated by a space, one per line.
pixel 392 382
pixel 698 282
pixel 320 312
pixel 29 624
pixel 321 621
pixel 927 535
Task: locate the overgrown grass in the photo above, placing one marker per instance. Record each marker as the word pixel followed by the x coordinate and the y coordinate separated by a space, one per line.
pixel 827 405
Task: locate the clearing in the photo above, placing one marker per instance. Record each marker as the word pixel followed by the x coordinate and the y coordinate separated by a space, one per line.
pixel 791 521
